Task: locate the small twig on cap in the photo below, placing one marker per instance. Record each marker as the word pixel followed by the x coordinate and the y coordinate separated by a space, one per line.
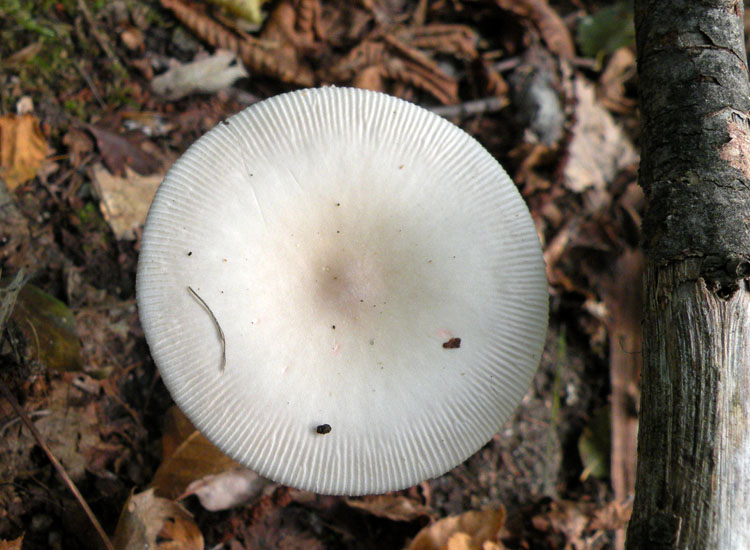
pixel 218 328
pixel 59 467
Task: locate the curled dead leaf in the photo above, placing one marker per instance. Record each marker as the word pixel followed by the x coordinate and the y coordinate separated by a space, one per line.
pixel 474 530
pixel 22 149
pixel 124 201
pixel 148 521
pixel 599 148
pixel 121 150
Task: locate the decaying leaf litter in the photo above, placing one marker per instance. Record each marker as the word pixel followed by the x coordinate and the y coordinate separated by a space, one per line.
pixel 98 100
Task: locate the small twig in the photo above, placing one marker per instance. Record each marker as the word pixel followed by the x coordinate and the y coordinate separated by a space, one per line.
pixel 471 108
pixel 100 38
pixel 218 328
pixel 59 467
pixel 506 65
pixel 91 84
pixel 13 422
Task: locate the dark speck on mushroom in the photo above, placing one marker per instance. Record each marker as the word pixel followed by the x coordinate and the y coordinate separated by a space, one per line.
pixel 190 252
pixel 323 429
pixel 225 122
pixel 453 343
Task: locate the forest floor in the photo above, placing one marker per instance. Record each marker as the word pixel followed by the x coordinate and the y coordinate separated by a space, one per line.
pixel 97 99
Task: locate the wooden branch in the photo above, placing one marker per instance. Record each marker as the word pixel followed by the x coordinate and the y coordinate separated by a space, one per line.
pixel 693 479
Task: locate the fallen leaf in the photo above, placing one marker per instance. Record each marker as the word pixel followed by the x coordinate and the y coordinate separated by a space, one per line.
pixel 208 75
pixel 247 9
pixel 69 430
pixel 133 38
pixel 79 145
pixel 191 457
pixel 124 201
pixel 148 521
pixel 619 70
pixel 599 149
pixel 48 328
pixel 22 149
pixel 469 531
pixel 119 151
pixel 393 507
pixel 551 27
pixel 14 544
pixel 566 518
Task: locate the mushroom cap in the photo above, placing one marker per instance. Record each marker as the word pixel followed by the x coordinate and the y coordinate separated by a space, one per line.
pixel 342 291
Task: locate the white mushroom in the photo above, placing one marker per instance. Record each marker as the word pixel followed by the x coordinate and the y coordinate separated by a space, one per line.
pixel 342 291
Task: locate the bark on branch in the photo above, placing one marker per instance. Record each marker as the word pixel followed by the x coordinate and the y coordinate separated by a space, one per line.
pixel 693 480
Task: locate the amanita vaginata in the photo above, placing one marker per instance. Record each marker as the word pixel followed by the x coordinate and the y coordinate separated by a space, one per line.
pixel 342 291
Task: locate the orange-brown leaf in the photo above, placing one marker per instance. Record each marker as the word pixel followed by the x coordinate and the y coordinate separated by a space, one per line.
pixel 14 544
pixel 22 149
pixel 474 530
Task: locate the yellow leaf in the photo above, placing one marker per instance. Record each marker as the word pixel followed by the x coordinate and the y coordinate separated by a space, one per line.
pixel 247 9
pixel 48 328
pixel 22 149
pixel 188 457
pixel 14 544
pixel 475 530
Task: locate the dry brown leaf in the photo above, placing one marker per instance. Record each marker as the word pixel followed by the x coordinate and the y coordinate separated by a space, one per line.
pixel 133 38
pixel 22 149
pixel 79 145
pixel 469 531
pixel 119 151
pixel 71 432
pixel 14 544
pixel 393 507
pixel 549 24
pixel 619 70
pixel 192 457
pixel 148 521
pixel 566 518
pixel 124 201
pixel 599 149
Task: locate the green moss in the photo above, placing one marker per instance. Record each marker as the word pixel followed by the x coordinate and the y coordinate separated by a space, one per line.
pixel 67 60
pixel 88 213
